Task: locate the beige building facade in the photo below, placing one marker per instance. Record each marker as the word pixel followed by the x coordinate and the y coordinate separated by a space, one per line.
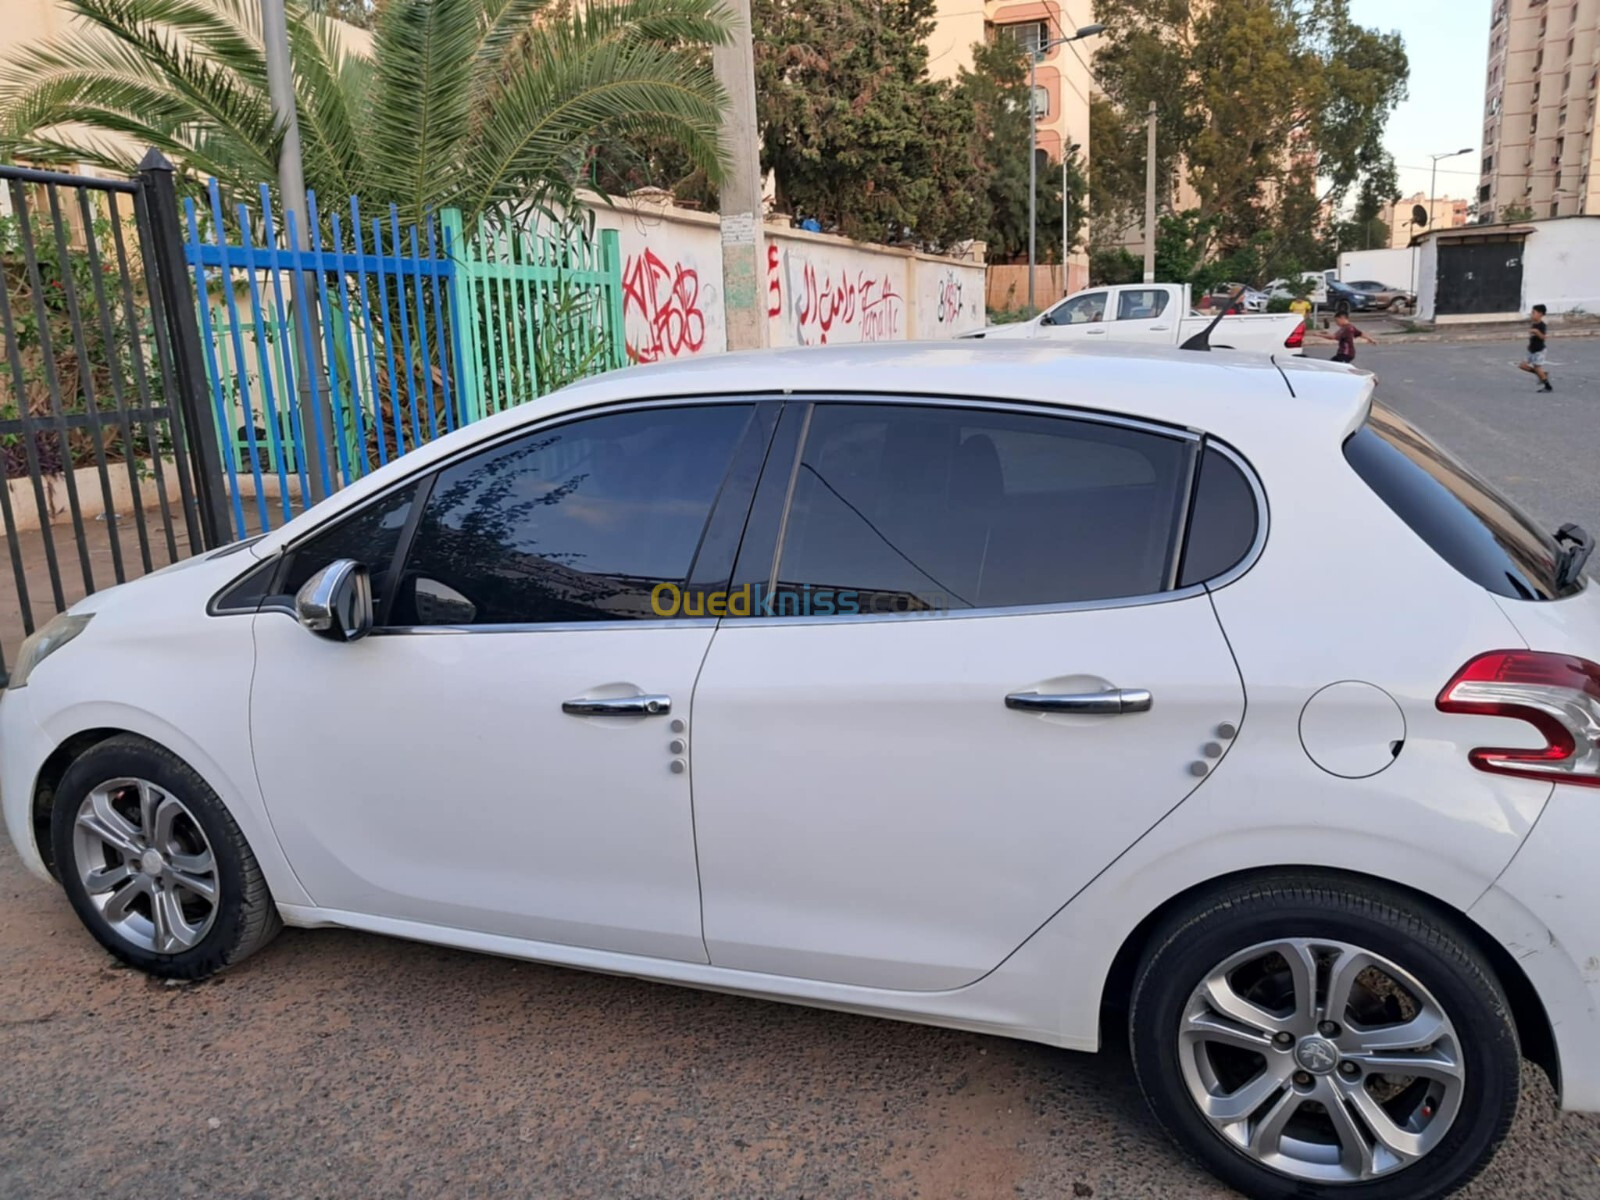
pixel 1063 77
pixel 1539 109
pixel 1443 213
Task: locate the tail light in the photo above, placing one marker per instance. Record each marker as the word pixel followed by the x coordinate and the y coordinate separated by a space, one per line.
pixel 1557 694
pixel 1296 339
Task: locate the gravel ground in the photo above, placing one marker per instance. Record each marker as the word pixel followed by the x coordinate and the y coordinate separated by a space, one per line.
pixel 337 1065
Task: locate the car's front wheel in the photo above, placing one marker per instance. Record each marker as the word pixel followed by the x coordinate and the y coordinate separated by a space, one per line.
pixel 155 865
pixel 1312 1038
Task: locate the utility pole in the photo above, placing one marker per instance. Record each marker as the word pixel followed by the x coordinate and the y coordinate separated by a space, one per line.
pixel 1150 198
pixel 1066 239
pixel 740 194
pixel 292 189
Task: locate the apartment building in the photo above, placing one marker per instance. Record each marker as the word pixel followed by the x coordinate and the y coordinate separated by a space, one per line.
pixel 1443 212
pixel 1061 97
pixel 1539 109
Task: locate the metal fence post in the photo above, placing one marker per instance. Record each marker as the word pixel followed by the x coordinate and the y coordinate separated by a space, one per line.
pixel 611 264
pixel 464 315
pixel 177 305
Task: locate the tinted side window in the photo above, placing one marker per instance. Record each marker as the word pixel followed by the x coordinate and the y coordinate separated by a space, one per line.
pixel 922 508
pixel 1141 304
pixel 1222 522
pixel 1462 516
pixel 575 523
pixel 1082 310
pixel 370 536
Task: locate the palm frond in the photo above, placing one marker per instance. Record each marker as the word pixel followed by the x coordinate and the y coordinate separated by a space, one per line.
pixel 420 109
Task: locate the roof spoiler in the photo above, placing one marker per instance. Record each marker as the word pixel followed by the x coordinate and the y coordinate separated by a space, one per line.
pixel 1202 340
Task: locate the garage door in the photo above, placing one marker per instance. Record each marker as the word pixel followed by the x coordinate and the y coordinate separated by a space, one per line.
pixel 1480 277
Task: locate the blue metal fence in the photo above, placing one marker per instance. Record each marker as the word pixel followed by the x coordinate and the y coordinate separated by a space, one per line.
pixel 324 362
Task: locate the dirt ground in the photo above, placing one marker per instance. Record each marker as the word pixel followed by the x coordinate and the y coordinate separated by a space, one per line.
pixel 340 1066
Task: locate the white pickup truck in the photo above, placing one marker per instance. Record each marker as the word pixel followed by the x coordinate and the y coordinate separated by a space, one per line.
pixel 1155 313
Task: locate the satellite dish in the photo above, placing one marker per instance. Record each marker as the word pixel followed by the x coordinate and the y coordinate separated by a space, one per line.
pixel 1419 215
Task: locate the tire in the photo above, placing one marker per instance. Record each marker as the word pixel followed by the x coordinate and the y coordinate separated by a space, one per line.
pixel 1414 980
pixel 140 838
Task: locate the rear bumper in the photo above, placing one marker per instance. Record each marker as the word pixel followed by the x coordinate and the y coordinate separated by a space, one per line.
pixel 1545 910
pixel 23 750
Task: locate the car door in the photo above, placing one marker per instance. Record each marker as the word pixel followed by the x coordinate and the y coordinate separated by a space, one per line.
pixel 498 756
pixel 1083 316
pixel 1144 315
pixel 973 677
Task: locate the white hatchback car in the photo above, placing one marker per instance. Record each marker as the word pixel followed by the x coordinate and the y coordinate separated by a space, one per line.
pixel 1057 693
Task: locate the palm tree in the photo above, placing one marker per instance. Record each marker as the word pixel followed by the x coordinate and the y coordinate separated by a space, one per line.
pixel 467 103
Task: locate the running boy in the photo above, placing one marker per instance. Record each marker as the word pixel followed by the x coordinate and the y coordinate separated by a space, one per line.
pixel 1534 363
pixel 1345 334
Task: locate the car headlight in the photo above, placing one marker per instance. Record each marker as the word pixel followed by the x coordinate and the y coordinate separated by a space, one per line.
pixel 42 643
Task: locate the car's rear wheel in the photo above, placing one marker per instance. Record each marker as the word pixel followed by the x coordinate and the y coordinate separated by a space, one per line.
pixel 154 864
pixel 1309 1038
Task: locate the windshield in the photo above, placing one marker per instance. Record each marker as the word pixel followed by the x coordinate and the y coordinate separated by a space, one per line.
pixel 1462 516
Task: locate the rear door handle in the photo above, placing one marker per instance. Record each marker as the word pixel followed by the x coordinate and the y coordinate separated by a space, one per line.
pixel 1109 704
pixel 621 706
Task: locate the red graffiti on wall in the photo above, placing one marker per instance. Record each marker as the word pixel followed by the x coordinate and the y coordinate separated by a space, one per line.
pixel 661 308
pixel 774 289
pixel 869 306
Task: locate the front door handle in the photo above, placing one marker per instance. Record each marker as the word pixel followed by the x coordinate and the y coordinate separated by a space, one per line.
pixel 1108 704
pixel 621 706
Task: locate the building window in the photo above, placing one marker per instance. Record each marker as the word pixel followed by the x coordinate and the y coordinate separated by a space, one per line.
pixel 1028 36
pixel 1483 194
pixel 1555 208
pixel 1041 102
pixel 1488 163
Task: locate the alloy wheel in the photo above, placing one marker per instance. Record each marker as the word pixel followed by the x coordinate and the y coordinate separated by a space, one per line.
pixel 1321 1060
pixel 146 865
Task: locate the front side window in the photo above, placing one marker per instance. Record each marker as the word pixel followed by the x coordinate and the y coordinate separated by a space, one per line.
pixel 1087 309
pixel 1141 304
pixel 575 523
pixel 902 508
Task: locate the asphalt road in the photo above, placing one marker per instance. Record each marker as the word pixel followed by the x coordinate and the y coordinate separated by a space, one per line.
pixel 342 1066
pixel 1542 450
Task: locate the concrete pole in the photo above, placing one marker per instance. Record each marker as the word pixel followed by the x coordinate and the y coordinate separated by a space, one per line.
pixel 1033 167
pixel 292 188
pixel 740 193
pixel 1066 191
pixel 1150 198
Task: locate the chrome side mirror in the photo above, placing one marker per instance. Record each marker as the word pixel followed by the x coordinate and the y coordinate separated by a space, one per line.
pixel 336 602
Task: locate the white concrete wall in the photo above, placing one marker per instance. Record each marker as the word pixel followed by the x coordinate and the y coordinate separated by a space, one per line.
pixel 1561 266
pixel 818 289
pixel 1398 268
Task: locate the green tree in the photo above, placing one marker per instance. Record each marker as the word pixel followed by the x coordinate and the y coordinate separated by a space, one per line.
pixel 856 134
pixel 1255 98
pixel 472 103
pixel 1515 212
pixel 996 91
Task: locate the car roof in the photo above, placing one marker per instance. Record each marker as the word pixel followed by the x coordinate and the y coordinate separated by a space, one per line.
pixel 1233 395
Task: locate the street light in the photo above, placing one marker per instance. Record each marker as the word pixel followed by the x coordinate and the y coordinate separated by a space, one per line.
pixel 1039 51
pixel 1434 178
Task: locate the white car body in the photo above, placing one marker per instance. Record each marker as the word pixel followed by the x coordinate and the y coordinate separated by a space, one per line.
pixel 872 829
pixel 1152 314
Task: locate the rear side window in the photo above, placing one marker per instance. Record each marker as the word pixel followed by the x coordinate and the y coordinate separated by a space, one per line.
pixel 901 508
pixel 1462 516
pixel 1223 522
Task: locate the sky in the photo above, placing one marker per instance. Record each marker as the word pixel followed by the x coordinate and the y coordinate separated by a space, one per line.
pixel 1448 44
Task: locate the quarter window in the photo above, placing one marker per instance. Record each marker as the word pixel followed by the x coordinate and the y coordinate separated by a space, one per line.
pixel 1223 520
pixel 901 508
pixel 369 536
pixel 575 523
